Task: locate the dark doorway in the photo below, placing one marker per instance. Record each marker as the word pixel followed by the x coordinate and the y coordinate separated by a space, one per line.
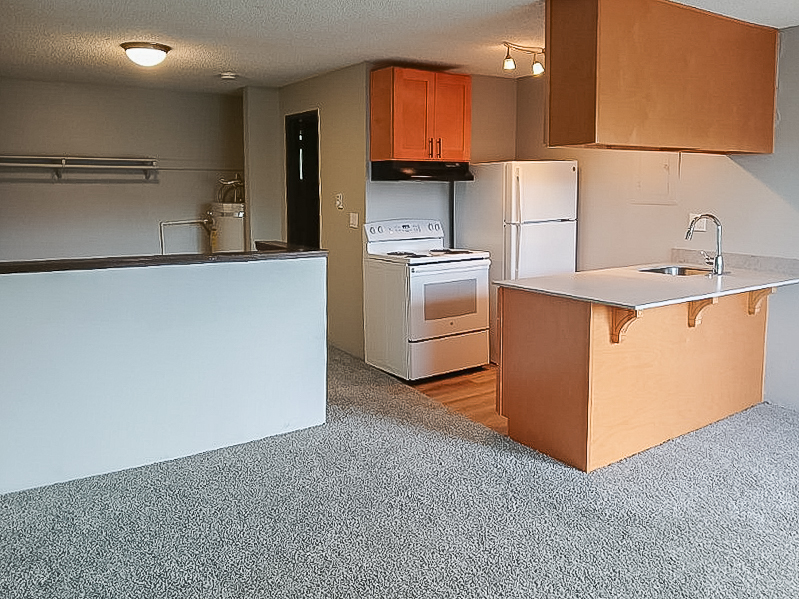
pixel 302 179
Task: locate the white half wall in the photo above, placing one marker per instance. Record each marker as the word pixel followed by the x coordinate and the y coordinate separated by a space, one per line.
pixel 109 369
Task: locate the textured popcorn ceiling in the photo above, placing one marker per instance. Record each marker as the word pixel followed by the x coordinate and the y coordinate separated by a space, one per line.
pixel 272 43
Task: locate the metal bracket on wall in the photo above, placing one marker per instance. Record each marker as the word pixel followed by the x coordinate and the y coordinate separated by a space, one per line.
pixel 58 164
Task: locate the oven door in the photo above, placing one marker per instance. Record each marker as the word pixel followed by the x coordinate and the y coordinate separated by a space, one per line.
pixel 447 298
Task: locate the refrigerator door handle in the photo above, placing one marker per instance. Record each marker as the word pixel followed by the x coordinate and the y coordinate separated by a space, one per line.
pixel 517 196
pixel 516 234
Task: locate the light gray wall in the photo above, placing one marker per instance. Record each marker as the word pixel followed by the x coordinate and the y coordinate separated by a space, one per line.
pixel 263 157
pixel 196 138
pixel 341 99
pixel 634 206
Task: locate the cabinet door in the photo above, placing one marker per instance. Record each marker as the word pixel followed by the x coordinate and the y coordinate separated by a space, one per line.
pixel 420 115
pixel 452 123
pixel 414 98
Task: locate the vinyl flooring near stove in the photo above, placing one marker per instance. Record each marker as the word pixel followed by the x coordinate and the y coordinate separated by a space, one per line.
pixel 471 393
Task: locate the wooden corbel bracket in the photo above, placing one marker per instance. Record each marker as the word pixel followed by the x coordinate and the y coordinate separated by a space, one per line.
pixel 620 320
pixel 756 298
pixel 695 310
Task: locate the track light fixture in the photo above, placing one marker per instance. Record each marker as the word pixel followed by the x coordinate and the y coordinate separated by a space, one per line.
pixel 509 64
pixel 146 54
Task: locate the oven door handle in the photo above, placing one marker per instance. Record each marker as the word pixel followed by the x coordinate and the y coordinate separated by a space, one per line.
pixel 474 265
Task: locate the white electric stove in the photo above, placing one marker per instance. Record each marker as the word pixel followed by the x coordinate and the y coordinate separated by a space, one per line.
pixel 425 306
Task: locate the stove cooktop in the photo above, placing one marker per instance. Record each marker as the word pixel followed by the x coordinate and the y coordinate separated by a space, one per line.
pixel 430 256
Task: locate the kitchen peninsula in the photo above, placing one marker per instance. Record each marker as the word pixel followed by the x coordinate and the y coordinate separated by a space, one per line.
pixel 598 365
pixel 112 363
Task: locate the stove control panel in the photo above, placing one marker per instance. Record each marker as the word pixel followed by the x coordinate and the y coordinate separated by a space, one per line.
pixel 385 230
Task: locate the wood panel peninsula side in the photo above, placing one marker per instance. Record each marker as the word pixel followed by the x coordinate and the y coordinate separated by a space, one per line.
pixel 596 366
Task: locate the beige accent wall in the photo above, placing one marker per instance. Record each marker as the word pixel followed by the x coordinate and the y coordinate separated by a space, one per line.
pixel 493 119
pixel 263 158
pixel 341 99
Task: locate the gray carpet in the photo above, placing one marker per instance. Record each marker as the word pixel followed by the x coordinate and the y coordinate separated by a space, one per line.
pixel 397 497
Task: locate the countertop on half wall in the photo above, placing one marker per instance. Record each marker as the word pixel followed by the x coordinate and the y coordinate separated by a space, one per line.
pixel 284 252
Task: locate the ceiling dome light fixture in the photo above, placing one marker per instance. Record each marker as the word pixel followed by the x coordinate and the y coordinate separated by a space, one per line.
pixel 509 64
pixel 146 54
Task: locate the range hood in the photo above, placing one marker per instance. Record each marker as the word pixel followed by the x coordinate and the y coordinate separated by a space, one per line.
pixel 422 170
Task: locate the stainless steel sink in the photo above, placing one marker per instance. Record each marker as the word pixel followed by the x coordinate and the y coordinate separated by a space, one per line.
pixel 678 271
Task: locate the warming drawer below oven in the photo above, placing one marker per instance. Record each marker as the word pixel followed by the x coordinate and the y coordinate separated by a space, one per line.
pixel 447 354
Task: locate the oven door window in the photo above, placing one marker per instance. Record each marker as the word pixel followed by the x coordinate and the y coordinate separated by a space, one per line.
pixel 446 301
pixel 450 299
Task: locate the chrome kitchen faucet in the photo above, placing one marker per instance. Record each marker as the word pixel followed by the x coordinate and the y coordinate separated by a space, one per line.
pixel 718 261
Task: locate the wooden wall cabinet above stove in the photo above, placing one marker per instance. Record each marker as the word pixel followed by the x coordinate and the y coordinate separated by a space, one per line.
pixel 652 74
pixel 420 115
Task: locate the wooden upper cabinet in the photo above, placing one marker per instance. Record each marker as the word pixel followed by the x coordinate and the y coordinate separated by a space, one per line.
pixel 420 115
pixel 652 74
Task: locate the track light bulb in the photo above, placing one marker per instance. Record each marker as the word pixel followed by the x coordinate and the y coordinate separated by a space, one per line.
pixel 509 64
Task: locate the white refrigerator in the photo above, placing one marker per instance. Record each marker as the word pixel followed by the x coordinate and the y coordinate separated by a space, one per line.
pixel 525 214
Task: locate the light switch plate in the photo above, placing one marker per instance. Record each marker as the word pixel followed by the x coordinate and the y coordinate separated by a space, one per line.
pixel 354 220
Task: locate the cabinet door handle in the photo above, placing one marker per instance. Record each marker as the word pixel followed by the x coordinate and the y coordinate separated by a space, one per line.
pixel 430 151
pixel 438 143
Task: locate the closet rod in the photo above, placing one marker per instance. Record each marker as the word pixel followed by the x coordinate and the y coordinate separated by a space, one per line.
pixel 58 163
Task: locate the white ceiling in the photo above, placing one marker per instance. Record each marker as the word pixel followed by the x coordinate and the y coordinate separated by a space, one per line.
pixel 272 43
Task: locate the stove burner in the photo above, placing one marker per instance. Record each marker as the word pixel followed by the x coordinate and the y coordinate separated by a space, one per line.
pixel 450 251
pixel 407 254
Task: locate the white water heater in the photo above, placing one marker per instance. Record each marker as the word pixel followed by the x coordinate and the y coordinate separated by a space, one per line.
pixel 227 218
pixel 227 227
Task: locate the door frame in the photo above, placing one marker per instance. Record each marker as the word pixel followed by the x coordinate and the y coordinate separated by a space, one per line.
pixel 286 118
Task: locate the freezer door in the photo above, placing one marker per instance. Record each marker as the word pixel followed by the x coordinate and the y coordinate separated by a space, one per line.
pixel 545 190
pixel 535 249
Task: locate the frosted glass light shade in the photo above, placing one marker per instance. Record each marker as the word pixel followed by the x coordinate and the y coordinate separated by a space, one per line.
pixel 538 68
pixel 146 54
pixel 508 64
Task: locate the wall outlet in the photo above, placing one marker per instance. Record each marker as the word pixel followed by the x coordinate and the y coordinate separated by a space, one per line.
pixel 701 225
pixel 354 220
pixel 340 201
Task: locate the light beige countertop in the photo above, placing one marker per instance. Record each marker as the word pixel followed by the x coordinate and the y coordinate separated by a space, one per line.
pixel 628 287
